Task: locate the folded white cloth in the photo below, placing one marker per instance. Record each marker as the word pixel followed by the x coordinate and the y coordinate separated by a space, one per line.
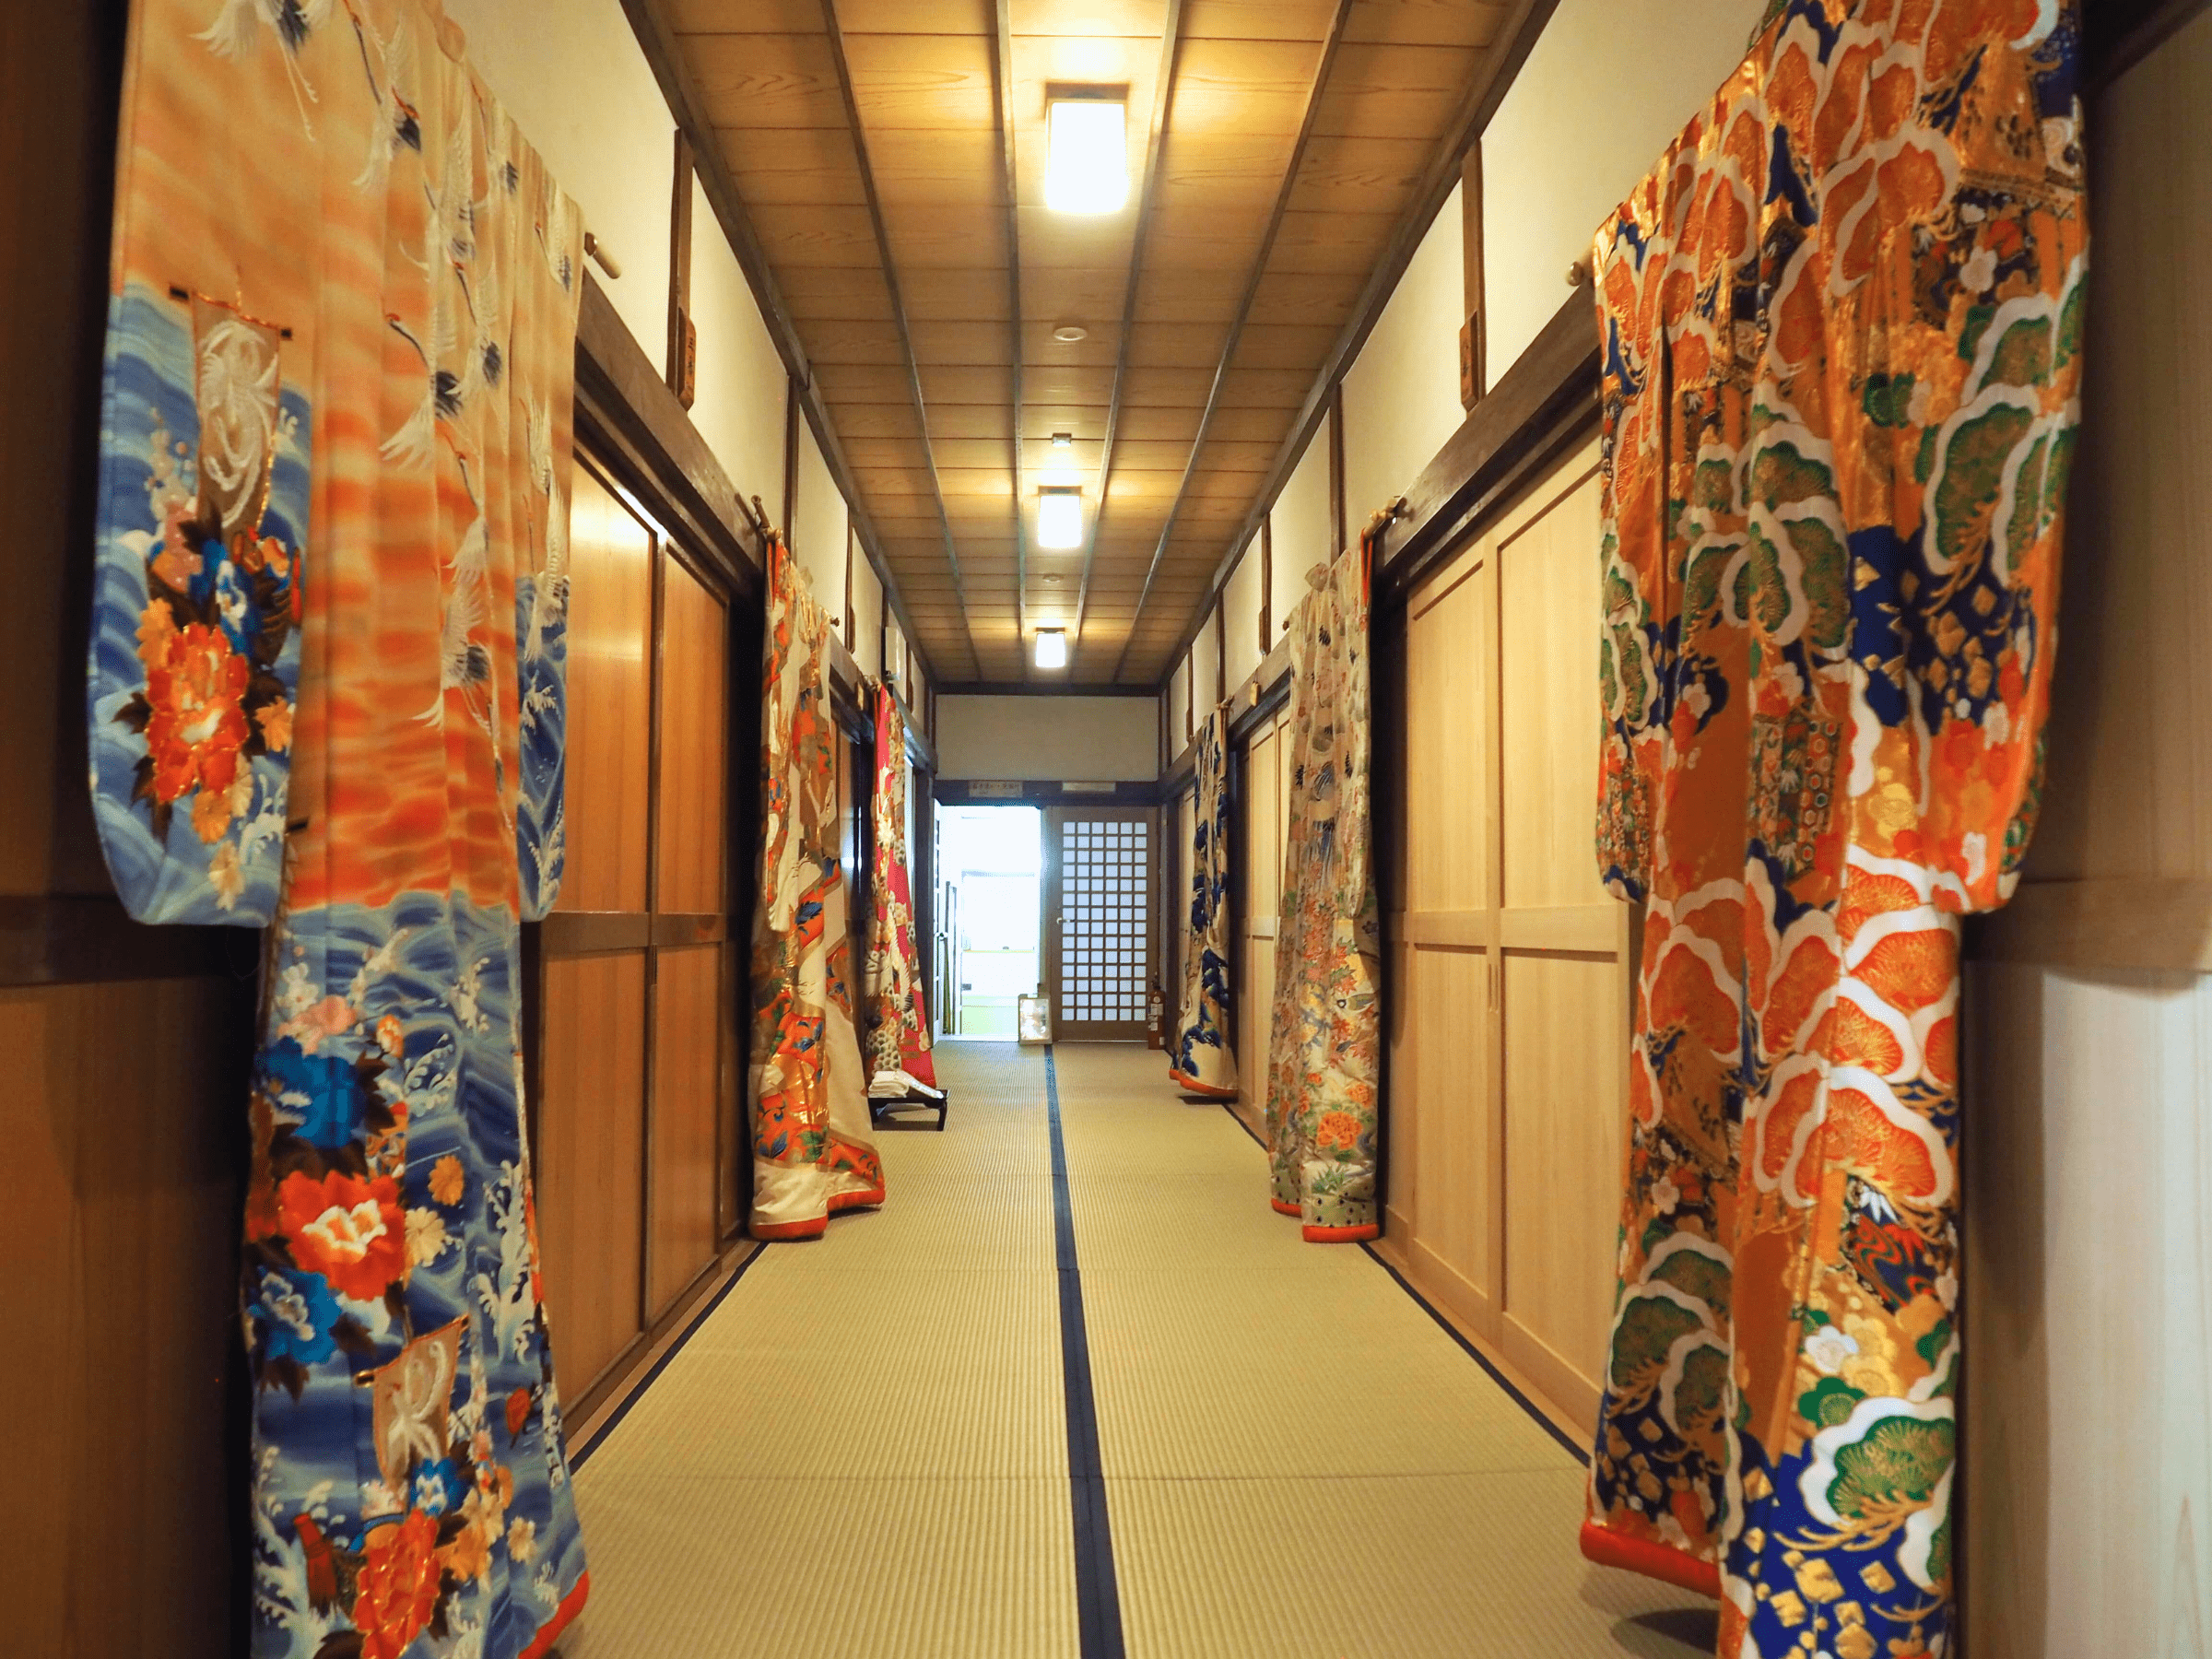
pixel 900 1086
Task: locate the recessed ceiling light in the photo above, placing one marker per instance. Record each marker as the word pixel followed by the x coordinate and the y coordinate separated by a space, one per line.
pixel 1052 580
pixel 1069 332
pixel 1089 144
pixel 1064 440
pixel 1051 648
pixel 1059 518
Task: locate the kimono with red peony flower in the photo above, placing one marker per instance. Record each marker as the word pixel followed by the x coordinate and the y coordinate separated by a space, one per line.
pixel 1843 327
pixel 325 698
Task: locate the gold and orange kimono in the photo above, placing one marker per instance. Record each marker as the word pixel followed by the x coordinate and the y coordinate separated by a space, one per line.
pixel 1324 1036
pixel 1843 327
pixel 326 696
pixel 807 1085
pixel 898 1019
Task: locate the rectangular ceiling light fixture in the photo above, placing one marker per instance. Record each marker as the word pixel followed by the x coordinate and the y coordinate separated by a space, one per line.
pixel 1059 519
pixel 1051 648
pixel 1089 169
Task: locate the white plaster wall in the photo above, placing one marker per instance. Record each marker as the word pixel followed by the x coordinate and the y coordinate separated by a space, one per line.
pixel 1401 397
pixel 572 77
pixel 1055 739
pixel 1239 602
pixel 1204 664
pixel 739 410
pixel 1179 706
pixel 1303 535
pixel 1608 84
pixel 868 616
pixel 817 527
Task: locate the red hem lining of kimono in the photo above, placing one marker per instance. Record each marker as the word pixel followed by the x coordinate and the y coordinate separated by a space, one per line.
pixel 1280 1208
pixel 812 1228
pixel 846 1200
pixel 1196 1088
pixel 1343 1235
pixel 550 1631
pixel 1661 1562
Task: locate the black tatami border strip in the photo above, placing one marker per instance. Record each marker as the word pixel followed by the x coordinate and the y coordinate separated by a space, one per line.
pixel 1579 1452
pixel 637 1390
pixel 1098 1597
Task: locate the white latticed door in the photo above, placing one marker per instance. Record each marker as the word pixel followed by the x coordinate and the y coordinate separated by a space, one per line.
pixel 1099 871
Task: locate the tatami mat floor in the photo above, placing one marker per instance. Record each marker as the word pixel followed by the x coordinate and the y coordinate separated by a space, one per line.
pixel 863 1450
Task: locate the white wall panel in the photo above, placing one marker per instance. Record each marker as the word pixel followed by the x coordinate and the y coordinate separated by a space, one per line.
pixel 1241 615
pixel 739 410
pixel 1608 85
pixel 1401 398
pixel 1303 535
pixel 1050 738
pixel 575 81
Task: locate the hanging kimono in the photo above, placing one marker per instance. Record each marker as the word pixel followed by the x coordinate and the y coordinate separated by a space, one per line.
pixel 807 1086
pixel 898 1024
pixel 1842 325
pixel 1202 1062
pixel 325 695
pixel 1324 1045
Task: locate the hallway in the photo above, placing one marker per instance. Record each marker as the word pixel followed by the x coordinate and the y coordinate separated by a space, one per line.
pixel 904 1488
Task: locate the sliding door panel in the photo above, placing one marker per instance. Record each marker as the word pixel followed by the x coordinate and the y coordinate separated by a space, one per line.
pixel 686 1094
pixel 611 687
pixel 590 1167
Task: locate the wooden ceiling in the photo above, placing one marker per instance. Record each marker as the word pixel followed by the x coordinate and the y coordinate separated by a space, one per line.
pixel 887 159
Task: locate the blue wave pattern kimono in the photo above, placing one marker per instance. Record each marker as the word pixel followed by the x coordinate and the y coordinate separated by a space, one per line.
pixel 325 697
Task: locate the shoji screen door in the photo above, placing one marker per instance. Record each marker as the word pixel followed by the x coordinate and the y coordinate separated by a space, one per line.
pixel 1098 880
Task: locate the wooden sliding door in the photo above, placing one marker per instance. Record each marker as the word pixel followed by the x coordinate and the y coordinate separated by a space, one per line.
pixel 1256 858
pixel 1510 964
pixel 636 982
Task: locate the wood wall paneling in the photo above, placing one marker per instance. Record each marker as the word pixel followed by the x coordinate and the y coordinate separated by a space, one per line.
pixel 610 652
pixel 1507 1090
pixel 124 1122
pixel 591 1175
pixel 1566 1054
pixel 1547 656
pixel 2087 1418
pixel 686 1096
pixel 692 822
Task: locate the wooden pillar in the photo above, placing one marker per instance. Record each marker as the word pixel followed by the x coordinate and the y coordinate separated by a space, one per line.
pixel 1266 584
pixel 1337 502
pixel 682 368
pixel 791 458
pixel 1474 370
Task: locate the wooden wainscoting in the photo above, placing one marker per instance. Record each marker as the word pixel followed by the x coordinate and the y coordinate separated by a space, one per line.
pixel 2086 1421
pixel 638 1051
pixel 1509 963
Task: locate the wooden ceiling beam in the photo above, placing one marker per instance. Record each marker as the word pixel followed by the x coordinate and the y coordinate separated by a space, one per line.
pixel 1497 70
pixel 1001 52
pixel 1163 86
pixel 890 277
pixel 1251 288
pixel 650 25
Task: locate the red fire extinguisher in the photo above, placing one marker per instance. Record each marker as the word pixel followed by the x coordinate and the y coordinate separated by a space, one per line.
pixel 1158 1013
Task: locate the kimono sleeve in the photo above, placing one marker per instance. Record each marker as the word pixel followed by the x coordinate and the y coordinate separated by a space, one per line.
pixel 194 661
